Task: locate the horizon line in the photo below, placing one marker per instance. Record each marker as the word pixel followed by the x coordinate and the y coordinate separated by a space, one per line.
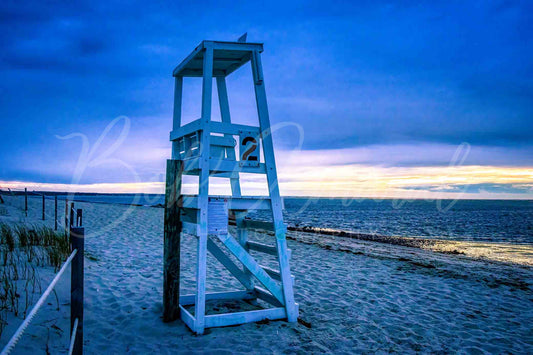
pixel 52 193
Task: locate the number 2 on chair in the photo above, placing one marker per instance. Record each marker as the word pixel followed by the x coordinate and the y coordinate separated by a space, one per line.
pixel 247 154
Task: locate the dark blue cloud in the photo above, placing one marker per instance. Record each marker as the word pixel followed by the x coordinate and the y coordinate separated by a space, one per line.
pixel 350 73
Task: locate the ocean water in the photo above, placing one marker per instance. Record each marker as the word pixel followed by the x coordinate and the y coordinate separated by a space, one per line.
pixel 507 221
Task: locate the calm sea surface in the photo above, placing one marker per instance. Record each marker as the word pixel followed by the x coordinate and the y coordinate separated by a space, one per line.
pixel 472 220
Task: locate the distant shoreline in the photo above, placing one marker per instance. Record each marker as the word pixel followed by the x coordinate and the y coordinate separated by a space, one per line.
pixel 354 198
pixel 516 253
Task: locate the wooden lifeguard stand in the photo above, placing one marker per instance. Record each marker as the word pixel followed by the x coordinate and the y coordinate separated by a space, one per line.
pixel 208 148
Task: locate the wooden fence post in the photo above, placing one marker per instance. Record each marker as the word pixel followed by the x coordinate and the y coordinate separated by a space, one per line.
pixel 66 214
pixel 55 212
pixel 72 222
pixel 43 207
pixel 77 240
pixel 172 232
pixel 26 200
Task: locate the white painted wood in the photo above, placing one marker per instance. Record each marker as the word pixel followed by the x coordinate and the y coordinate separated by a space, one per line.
pixel 187 318
pixel 203 195
pixel 224 175
pixel 216 127
pixel 176 119
pixel 187 67
pixel 249 262
pixel 223 100
pixel 236 166
pixel 229 264
pixel 185 130
pixel 268 151
pixel 233 128
pixel 226 319
pixel 225 142
pixel 242 233
pixel 198 73
pixel 275 274
pixel 266 296
pixel 188 143
pixel 187 60
pixel 217 153
pixel 226 118
pixel 178 95
pixel 236 46
pixel 234 203
pixel 187 300
pixel 190 228
pixel 263 248
pixel 192 167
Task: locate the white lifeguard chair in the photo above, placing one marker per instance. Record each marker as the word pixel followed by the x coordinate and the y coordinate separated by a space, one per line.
pixel 207 148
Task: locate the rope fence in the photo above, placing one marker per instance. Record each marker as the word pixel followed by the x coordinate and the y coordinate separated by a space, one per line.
pixel 76 234
pixel 18 334
pixel 73 337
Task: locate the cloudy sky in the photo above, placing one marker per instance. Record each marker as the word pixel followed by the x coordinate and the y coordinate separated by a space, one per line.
pixel 368 98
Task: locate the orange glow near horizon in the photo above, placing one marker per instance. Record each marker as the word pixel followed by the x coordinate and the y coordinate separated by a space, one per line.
pixel 342 181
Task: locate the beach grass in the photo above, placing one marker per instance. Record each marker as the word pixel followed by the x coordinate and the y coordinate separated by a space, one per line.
pixel 23 249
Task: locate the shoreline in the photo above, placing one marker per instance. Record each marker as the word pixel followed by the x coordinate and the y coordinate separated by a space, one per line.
pixel 513 253
pixel 519 254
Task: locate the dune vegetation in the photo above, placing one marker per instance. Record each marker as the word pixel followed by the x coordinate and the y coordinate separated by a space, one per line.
pixel 23 250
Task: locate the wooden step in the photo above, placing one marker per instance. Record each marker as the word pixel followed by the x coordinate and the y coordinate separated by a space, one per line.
pixel 275 274
pixel 266 296
pixel 263 248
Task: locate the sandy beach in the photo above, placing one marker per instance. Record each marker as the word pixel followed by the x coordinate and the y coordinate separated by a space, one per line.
pixel 355 296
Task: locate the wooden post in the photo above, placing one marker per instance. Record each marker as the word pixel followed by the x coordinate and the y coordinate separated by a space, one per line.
pixel 172 237
pixel 66 214
pixel 77 240
pixel 55 212
pixel 72 214
pixel 43 207
pixel 26 200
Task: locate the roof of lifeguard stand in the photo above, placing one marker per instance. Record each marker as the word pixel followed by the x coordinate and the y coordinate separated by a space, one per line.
pixel 228 57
